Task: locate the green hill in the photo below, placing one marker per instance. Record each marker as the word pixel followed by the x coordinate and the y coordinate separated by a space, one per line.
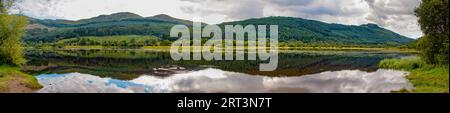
pixel 311 31
pixel 290 29
pixel 104 25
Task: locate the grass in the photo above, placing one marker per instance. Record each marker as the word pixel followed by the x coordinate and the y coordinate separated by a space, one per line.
pixel 167 48
pixel 111 41
pixel 12 75
pixel 157 48
pixel 425 77
pixel 83 47
pixel 350 48
pixel 124 38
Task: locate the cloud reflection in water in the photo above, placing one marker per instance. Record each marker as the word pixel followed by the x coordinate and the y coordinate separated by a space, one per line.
pixel 215 80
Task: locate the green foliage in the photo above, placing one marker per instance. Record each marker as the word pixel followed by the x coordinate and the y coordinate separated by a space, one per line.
pixel 434 49
pixel 165 43
pixel 402 64
pixel 117 41
pixel 425 77
pixel 312 32
pixel 433 19
pixel 5 5
pixel 433 16
pixel 12 29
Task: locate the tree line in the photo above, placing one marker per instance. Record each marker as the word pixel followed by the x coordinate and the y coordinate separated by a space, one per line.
pixel 115 41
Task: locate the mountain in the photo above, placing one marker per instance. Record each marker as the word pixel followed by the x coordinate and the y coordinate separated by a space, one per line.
pixel 112 17
pixel 104 25
pixel 311 31
pixel 290 29
pixel 123 17
pixel 169 18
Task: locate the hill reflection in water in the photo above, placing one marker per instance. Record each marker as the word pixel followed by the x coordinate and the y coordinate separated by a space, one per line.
pixel 130 64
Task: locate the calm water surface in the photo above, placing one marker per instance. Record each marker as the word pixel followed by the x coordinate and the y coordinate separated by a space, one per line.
pixel 139 71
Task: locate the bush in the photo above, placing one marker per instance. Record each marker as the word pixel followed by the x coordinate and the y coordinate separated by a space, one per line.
pixel 402 64
pixel 11 31
pixel 434 49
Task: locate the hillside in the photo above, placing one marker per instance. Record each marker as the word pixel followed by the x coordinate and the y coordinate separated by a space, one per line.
pixel 290 29
pixel 104 25
pixel 311 31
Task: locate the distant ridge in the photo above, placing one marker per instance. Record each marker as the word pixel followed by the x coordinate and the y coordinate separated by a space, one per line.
pixel 312 31
pixel 170 18
pixel 115 16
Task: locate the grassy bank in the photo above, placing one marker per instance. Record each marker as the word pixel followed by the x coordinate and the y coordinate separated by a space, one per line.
pixel 12 80
pixel 426 78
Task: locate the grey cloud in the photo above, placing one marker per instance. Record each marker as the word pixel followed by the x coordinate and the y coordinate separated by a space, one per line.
pixel 199 1
pixel 243 9
pixel 292 2
pixel 393 7
pixel 247 10
pixel 233 9
pixel 324 7
pixel 188 9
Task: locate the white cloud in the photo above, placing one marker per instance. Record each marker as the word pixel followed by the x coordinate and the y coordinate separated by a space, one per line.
pixel 80 9
pixel 396 15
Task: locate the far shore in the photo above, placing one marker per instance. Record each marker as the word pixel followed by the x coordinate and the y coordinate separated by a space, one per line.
pixel 282 49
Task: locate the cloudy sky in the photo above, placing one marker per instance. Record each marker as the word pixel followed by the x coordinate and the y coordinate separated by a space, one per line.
pixel 396 15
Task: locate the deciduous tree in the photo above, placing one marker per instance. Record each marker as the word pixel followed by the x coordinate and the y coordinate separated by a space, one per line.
pixel 433 19
pixel 12 28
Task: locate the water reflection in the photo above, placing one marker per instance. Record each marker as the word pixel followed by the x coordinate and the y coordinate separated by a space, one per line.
pixel 218 81
pixel 130 64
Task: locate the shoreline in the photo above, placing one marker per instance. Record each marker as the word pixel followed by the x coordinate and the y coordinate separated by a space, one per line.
pixel 13 80
pixel 281 49
pixel 426 78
